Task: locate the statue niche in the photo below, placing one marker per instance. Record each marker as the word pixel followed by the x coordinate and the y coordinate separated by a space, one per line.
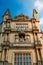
pixel 21 36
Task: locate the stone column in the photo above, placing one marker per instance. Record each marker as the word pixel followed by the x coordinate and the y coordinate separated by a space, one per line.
pixel 35 48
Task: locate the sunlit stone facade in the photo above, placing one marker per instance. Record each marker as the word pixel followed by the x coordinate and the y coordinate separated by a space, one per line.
pixel 21 40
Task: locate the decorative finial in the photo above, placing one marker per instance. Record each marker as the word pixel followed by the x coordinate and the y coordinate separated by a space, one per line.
pixel 35 14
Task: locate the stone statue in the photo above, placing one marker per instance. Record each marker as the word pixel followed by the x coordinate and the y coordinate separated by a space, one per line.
pixel 35 14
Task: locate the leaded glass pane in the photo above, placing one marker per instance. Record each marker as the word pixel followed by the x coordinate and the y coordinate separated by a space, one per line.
pixel 26 59
pixel 20 63
pixel 26 63
pixel 22 59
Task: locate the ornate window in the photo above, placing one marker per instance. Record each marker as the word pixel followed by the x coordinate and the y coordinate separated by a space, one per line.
pixel 22 59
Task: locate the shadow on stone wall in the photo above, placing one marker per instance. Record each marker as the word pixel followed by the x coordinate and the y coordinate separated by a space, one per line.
pixel 5 63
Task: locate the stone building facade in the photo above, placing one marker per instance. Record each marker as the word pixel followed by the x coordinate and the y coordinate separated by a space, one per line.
pixel 21 40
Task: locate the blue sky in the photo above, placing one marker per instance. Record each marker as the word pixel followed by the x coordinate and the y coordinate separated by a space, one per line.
pixel 22 6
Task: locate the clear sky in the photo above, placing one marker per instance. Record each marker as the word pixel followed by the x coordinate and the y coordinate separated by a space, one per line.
pixel 22 6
